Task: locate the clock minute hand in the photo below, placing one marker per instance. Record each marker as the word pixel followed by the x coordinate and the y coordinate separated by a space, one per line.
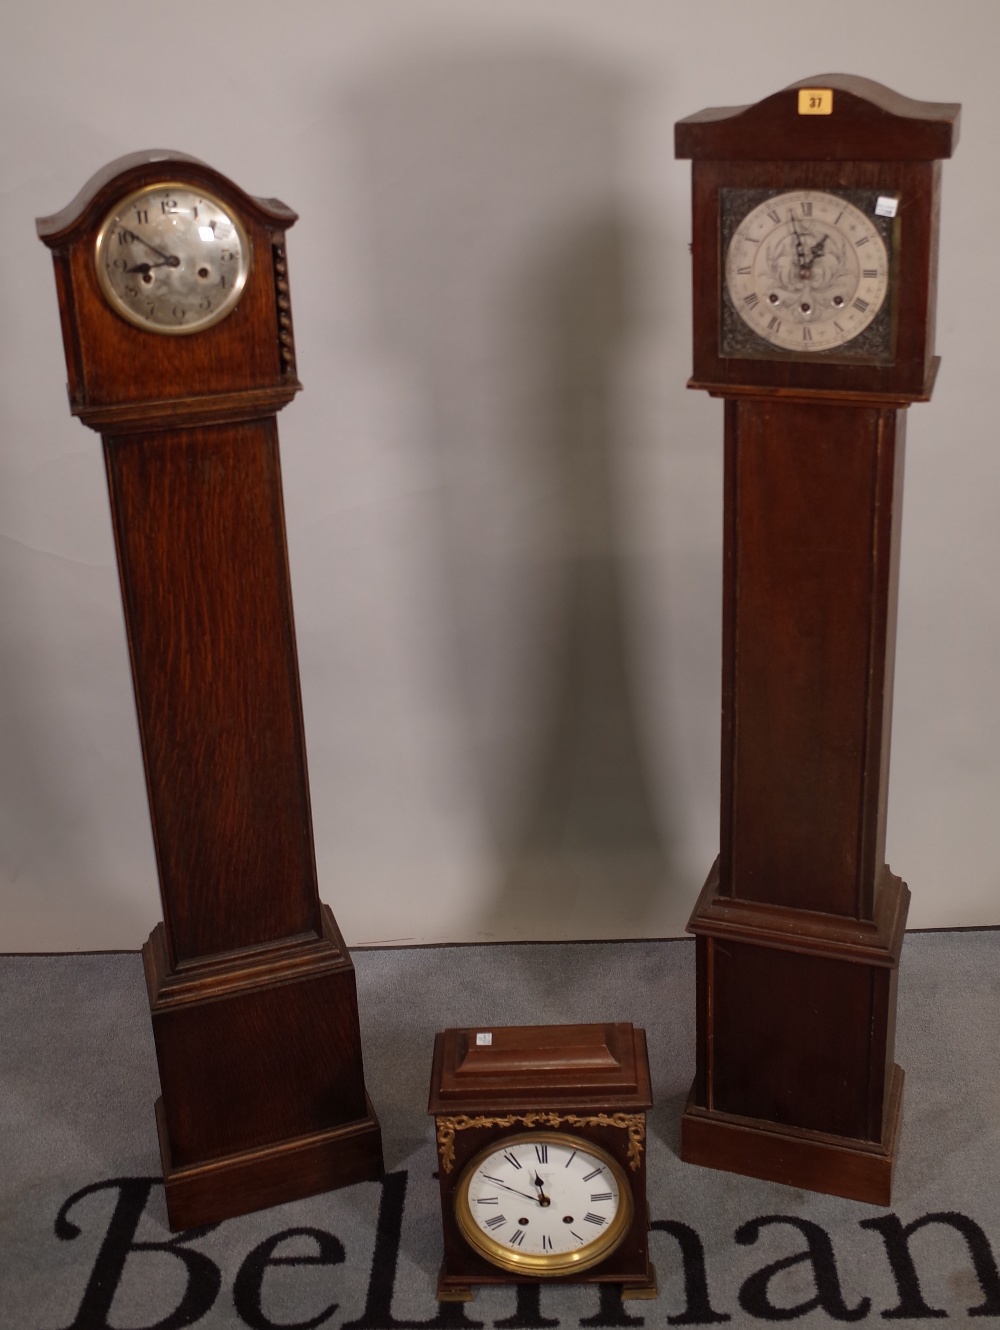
pixel 498 1183
pixel 817 250
pixel 171 259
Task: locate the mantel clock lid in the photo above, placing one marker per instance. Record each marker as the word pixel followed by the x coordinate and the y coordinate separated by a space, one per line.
pixel 528 1066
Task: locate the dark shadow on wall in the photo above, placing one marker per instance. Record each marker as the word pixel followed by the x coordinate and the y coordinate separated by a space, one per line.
pixel 55 723
pixel 499 255
pixel 588 838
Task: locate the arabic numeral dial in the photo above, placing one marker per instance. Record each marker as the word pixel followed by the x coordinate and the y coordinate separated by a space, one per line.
pixel 172 258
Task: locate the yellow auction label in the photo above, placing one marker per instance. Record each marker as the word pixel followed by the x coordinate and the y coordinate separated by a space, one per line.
pixel 815 101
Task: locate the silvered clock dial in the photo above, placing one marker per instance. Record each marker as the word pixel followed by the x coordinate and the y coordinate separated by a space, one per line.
pixel 807 271
pixel 172 259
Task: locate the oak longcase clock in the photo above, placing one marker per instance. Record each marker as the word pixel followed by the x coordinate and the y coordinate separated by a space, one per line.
pixel 176 319
pixel 815 225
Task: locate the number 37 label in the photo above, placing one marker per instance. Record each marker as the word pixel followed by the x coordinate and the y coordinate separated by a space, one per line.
pixel 815 101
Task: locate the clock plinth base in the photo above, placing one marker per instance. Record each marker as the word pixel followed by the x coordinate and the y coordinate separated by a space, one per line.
pixel 263 1091
pixel 454 1288
pixel 238 1184
pixel 640 1292
pixel 796 1080
pixel 836 1166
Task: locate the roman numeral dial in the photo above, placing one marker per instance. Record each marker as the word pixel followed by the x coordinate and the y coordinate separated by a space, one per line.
pixel 544 1203
pixel 807 271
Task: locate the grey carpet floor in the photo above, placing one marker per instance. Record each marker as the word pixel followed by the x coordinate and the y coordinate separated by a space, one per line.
pixel 83 1235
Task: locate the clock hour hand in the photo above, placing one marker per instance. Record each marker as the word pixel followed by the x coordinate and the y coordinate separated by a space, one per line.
pixel 148 267
pixel 799 247
pixel 542 1198
pixel 498 1183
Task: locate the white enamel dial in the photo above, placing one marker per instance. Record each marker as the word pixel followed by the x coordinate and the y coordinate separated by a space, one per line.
pixel 807 271
pixel 172 258
pixel 544 1203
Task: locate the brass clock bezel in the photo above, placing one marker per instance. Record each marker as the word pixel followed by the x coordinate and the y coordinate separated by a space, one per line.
pixel 115 301
pixel 545 1264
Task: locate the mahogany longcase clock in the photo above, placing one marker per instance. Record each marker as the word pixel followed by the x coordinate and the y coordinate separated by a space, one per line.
pixel 815 254
pixel 176 319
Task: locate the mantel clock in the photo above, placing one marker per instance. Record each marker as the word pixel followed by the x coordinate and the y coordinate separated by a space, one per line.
pixel 176 318
pixel 815 225
pixel 541 1134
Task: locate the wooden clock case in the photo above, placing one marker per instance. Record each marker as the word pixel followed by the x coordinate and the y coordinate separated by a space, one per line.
pixel 251 988
pixel 800 924
pixel 591 1081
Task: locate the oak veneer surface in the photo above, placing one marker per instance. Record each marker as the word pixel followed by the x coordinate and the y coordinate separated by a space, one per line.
pixel 201 544
pixel 129 364
pixel 812 522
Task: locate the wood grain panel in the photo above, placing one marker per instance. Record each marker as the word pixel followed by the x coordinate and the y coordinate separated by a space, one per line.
pixel 786 1061
pixel 202 552
pixel 805 482
pixel 276 1071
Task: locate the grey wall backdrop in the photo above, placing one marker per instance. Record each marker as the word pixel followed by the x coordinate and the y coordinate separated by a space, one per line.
pixel 504 509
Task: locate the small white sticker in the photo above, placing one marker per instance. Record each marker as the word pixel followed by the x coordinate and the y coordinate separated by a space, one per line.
pixel 484 1039
pixel 886 207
